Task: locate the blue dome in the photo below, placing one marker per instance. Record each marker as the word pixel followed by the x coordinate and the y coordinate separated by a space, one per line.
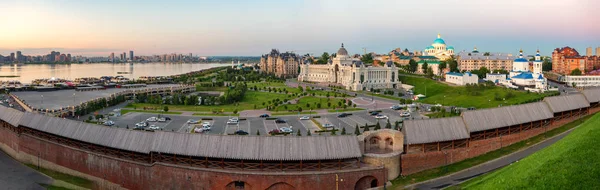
pixel 429 47
pixel 521 60
pixel 439 41
pixel 450 47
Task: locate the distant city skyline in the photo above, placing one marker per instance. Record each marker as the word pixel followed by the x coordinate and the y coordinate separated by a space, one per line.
pixel 250 28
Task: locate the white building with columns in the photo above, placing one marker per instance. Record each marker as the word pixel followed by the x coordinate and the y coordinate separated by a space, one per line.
pixel 351 73
pixel 439 49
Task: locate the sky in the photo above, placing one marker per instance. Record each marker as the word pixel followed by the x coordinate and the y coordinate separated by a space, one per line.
pixel 253 27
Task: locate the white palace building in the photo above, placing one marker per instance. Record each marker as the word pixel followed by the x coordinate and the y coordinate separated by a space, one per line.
pixel 351 73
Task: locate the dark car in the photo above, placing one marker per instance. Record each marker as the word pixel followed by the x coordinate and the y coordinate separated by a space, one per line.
pixel 264 115
pixel 280 121
pixel 373 113
pixel 342 115
pixel 241 132
pixel 168 118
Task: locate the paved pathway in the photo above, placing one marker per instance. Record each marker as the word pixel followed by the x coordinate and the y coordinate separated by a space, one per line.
pixel 464 175
pixel 14 175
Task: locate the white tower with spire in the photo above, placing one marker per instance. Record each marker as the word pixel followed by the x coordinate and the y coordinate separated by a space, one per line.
pixel 521 64
pixel 537 64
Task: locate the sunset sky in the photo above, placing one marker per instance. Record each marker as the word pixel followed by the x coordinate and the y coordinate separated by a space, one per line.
pixel 253 27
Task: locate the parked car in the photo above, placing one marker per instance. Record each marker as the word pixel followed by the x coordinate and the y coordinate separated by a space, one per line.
pixel 274 132
pixel 264 115
pixel 381 117
pixel 232 121
pixel 168 118
pixel 342 115
pixel 304 118
pixel 374 113
pixel 405 114
pixel 152 119
pixel 286 129
pixel 327 126
pixel 141 125
pixel 241 132
pixel 202 129
pixel 206 123
pixel 398 107
pixel 162 119
pixel 280 121
pixel 109 123
pixel 191 121
pixel 153 127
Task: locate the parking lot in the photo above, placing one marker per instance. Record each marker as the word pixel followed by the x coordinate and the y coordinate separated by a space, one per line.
pixel 178 123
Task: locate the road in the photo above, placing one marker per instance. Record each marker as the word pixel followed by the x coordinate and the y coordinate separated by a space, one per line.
pixel 470 173
pixel 14 175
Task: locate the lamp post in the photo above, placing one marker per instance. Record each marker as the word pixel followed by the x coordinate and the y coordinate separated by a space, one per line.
pixel 337 180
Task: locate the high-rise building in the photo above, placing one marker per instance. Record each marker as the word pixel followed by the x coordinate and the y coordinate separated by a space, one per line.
pixel 12 56
pixel 597 51
pixel 131 55
pixel 112 57
pixel 588 51
pixel 19 56
pixel 567 59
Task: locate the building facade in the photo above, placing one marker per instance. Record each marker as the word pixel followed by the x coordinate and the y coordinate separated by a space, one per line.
pixel 461 79
pixel 469 61
pixel 351 73
pixel 567 59
pixel 522 77
pixel 439 49
pixel 281 64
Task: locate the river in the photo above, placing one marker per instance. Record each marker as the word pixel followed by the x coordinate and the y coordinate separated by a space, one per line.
pixel 29 72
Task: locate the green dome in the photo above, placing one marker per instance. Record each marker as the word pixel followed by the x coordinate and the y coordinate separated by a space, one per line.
pixel 439 41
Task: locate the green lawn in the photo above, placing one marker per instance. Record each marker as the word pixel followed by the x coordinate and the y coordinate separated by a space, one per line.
pixel 81 182
pixel 293 113
pixel 455 167
pixel 251 99
pixel 124 111
pixel 571 163
pixel 384 96
pixel 440 93
pixel 279 85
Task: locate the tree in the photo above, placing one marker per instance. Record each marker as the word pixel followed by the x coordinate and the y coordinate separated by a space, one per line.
pixel 547 65
pixel 257 132
pixel 429 72
pixel 343 131
pixel 388 125
pixel 443 65
pixel 90 118
pixel 298 133
pixel 576 72
pixel 299 109
pixel 235 111
pixel 486 54
pixel 308 133
pixel 412 65
pixel 323 59
pixel 357 130
pixel 367 58
pixel 453 65
pixel 366 127
pixel 501 71
pixel 333 132
pixel 424 67
pixel 300 88
pixel 377 126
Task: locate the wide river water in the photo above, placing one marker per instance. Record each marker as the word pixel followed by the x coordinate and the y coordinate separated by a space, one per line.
pixel 29 72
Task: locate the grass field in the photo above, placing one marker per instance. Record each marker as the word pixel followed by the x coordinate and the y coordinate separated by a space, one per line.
pixel 251 98
pixel 303 113
pixel 455 167
pixel 312 101
pixel 280 85
pixel 571 163
pixel 440 93
pixel 64 177
pixel 344 110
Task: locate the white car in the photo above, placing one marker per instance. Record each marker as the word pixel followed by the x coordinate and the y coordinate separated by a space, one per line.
pixel 117 110
pixel 206 123
pixel 381 117
pixel 286 129
pixel 405 114
pixel 141 124
pixel 162 119
pixel 191 121
pixel 438 105
pixel 304 118
pixel 151 119
pixel 153 127
pixel 232 121
pixel 109 123
pixel 327 125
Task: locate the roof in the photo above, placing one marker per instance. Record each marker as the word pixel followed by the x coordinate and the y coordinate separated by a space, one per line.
pixel 521 60
pixel 524 75
pixel 592 95
pixel 485 119
pixel 342 51
pixel 454 73
pixel 475 55
pixel 567 102
pixel 439 41
pixel 124 139
pixel 450 47
pixel 10 115
pixel 258 147
pixel 434 130
pixel 428 62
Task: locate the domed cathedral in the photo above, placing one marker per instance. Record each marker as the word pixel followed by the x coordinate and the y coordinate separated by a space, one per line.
pixel 350 73
pixel 439 49
pixel 523 77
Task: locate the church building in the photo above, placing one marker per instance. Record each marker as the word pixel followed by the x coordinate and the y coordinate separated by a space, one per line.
pixel 439 49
